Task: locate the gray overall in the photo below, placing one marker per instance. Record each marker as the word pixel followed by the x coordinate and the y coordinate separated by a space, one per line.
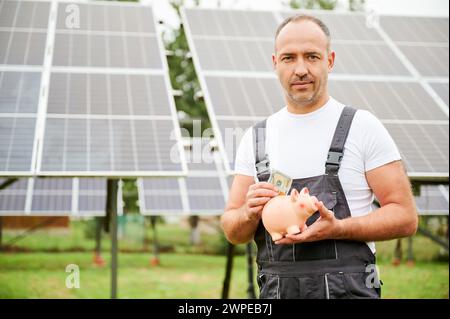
pixel 322 269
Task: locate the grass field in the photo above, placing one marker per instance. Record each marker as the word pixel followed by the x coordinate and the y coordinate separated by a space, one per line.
pixel 185 271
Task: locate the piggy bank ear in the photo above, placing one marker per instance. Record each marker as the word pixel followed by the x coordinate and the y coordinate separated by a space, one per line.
pixel 304 191
pixel 294 194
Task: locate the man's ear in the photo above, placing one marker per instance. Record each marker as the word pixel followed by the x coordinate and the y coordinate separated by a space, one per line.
pixel 331 57
pixel 274 61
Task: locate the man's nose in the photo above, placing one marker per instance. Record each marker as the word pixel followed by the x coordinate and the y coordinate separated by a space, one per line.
pixel 300 68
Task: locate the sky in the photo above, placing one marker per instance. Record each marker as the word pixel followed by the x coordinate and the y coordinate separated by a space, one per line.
pixel 164 11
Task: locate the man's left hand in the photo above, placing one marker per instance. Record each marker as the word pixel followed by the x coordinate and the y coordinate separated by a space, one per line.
pixel 325 227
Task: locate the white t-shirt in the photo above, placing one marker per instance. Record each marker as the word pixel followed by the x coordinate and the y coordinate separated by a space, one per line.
pixel 298 144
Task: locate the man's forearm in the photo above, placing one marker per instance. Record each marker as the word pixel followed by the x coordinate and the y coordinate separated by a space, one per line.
pixel 388 222
pixel 238 228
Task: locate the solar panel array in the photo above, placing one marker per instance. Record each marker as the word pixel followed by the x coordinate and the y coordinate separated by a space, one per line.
pixel 202 192
pixel 97 103
pixel 54 197
pixel 23 29
pixel 398 70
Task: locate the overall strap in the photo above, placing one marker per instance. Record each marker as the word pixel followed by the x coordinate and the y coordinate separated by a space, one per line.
pixel 336 151
pixel 259 145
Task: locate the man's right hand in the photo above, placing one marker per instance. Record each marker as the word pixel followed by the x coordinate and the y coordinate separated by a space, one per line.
pixel 244 208
pixel 257 196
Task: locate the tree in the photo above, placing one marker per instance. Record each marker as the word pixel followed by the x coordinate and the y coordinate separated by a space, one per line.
pixel 356 5
pixel 353 5
pixel 313 4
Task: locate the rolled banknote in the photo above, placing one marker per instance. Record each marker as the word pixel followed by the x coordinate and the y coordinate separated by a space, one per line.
pixel 280 181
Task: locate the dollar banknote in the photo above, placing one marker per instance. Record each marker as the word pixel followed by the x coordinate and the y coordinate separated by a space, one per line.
pixel 280 181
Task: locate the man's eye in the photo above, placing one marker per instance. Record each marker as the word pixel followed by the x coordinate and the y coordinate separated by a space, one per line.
pixel 286 58
pixel 313 57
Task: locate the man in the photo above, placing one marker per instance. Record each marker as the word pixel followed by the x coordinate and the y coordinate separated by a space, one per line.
pixel 344 165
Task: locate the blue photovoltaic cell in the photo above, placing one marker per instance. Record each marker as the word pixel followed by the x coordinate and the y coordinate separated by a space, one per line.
pixel 19 92
pixel 16 143
pixel 12 198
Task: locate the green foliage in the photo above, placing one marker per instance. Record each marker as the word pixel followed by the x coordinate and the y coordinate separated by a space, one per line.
pixel 313 4
pixel 356 5
pixel 90 228
pixel 130 196
pixel 353 5
pixel 220 247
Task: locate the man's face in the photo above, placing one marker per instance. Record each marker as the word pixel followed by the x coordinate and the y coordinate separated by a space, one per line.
pixel 302 62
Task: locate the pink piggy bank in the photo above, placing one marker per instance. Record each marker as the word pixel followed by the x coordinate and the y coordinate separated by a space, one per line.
pixel 288 214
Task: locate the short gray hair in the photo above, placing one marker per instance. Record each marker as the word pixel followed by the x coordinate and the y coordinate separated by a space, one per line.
pixel 305 17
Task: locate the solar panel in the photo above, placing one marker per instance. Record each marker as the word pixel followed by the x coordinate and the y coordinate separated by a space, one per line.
pixel 19 92
pixel 442 90
pixel 359 47
pixel 423 40
pixel 106 50
pixel 110 18
pixel 231 23
pixel 16 142
pixel 202 192
pixel 109 111
pixel 388 100
pixel 373 70
pixel 433 200
pixel 357 58
pixel 97 104
pixel 23 32
pixel 343 26
pixel 415 29
pixel 24 14
pixel 22 47
pixel 54 197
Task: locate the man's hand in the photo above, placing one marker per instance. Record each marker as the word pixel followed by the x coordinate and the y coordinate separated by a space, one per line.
pixel 257 196
pixel 244 208
pixel 325 227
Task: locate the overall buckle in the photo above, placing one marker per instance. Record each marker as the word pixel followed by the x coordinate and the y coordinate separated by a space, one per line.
pixel 334 158
pixel 263 167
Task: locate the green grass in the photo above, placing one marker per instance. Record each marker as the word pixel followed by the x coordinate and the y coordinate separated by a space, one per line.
pixel 423 280
pixel 41 275
pixel 185 271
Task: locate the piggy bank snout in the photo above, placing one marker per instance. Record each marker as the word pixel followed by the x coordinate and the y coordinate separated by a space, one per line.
pixel 308 202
